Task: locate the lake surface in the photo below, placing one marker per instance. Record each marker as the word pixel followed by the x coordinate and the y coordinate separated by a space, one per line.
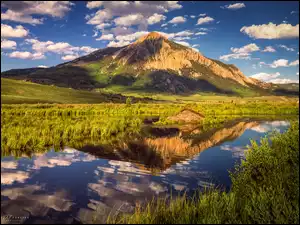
pixel 75 185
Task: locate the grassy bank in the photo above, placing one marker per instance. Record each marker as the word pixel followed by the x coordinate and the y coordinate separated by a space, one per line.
pixel 265 189
pixel 34 127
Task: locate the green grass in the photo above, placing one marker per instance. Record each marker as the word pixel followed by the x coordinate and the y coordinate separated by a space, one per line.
pixel 265 189
pixel 18 92
pixel 34 127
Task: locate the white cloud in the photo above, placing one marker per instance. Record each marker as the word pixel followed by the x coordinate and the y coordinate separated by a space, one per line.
pixel 26 55
pixel 181 38
pixel 283 63
pixel 84 35
pixel 87 49
pixel 279 63
pixel 271 31
pixel 94 4
pixel 58 48
pixel 17 32
pixel 106 37
pixel 205 20
pixel 235 56
pixel 184 33
pixel 103 25
pixel 241 53
pixel 202 14
pixel 196 45
pixel 118 44
pixel 246 49
pixel 123 9
pixel 155 18
pixel 178 19
pixel 265 76
pixel 95 33
pixel 62 48
pixel 297 73
pixel 22 11
pixel 8 44
pixel 131 37
pixel 200 33
pixel 286 48
pixel 69 57
pixel 128 20
pixel 283 81
pixel 164 24
pixel 183 43
pixel 192 16
pixel 294 63
pixel 235 6
pixel 42 66
pixel 269 49
pixel 11 177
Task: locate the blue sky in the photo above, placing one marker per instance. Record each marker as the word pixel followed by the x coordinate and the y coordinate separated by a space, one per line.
pixel 260 38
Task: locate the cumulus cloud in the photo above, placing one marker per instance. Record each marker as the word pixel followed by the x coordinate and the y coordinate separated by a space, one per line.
pixel 8 44
pixel 241 53
pixel 177 19
pixel 205 20
pixel 271 31
pixel 246 49
pixel 128 20
pixel 286 48
pixel 131 37
pixel 282 63
pixel 294 63
pixel 235 6
pixel 62 48
pixel 17 32
pixel 94 4
pixel 164 24
pixel 265 76
pixel 155 18
pixel 22 11
pixel 69 57
pixel 269 49
pixel 202 14
pixel 95 33
pixel 120 12
pixel 103 25
pixel 27 55
pixel 192 16
pixel 118 43
pixel 42 66
pixel 87 49
pixel 106 37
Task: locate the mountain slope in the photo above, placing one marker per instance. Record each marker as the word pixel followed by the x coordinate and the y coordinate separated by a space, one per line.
pixel 153 64
pixel 16 91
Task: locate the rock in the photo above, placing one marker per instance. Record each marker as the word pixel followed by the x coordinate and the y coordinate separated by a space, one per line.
pixel 186 115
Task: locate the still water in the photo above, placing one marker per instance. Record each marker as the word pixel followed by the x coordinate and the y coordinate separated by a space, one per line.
pixel 85 185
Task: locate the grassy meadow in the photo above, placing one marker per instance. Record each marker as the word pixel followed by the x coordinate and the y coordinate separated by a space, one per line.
pixel 265 190
pixel 29 128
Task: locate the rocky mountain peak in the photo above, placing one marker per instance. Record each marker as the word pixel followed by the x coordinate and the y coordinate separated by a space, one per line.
pixel 151 36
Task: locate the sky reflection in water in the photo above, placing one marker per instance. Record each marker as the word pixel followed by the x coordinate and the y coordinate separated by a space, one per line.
pixel 61 186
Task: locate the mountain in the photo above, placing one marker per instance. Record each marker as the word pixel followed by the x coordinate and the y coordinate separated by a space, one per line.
pixel 152 64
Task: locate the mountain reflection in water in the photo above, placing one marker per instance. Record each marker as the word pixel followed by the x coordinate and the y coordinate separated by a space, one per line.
pixel 68 186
